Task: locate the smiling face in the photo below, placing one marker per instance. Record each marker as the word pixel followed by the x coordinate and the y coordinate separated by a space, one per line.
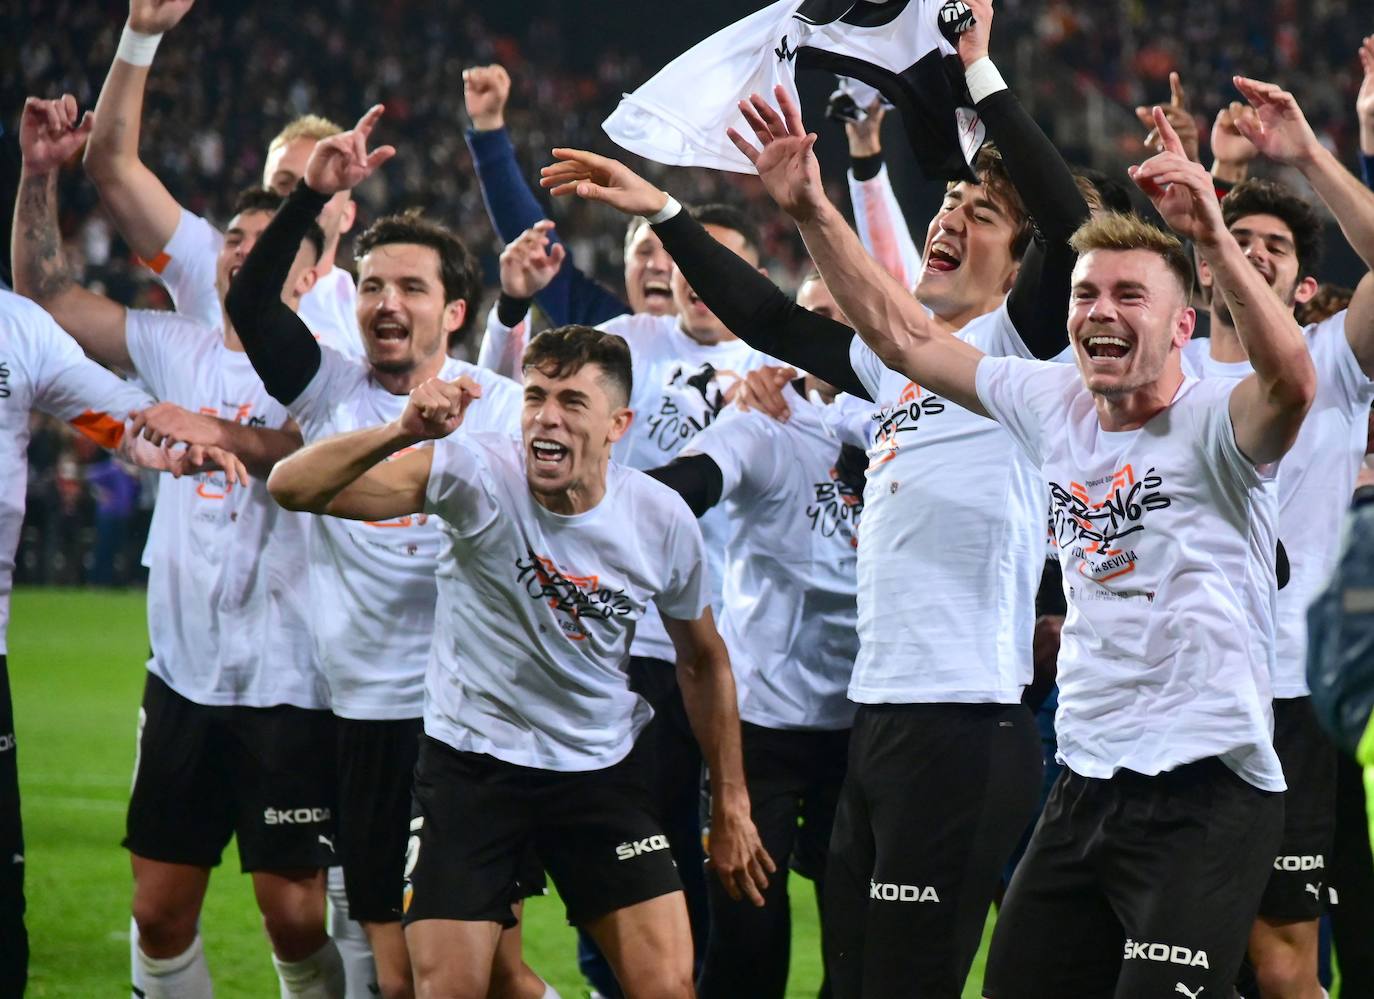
pixel 967 261
pixel 1271 249
pixel 239 239
pixel 568 425
pixel 404 318
pixel 1128 312
pixel 695 318
pixel 648 272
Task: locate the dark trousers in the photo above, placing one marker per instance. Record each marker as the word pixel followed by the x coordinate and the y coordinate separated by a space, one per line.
pixel 14 939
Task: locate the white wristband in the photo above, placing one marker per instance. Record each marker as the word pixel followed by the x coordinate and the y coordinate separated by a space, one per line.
pixel 983 79
pixel 668 211
pixel 136 48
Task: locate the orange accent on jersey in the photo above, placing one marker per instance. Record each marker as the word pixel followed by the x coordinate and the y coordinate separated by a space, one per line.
pixel 102 428
pixel 206 490
pixel 912 391
pixel 418 520
pixel 158 264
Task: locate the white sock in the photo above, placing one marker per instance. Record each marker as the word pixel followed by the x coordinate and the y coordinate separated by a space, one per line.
pixel 550 993
pixel 360 974
pixel 185 976
pixel 319 976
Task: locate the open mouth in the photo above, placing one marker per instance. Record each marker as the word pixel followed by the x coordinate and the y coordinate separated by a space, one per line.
pixel 548 453
pixel 234 272
pixel 657 291
pixel 1102 346
pixel 943 258
pixel 389 331
pixel 694 300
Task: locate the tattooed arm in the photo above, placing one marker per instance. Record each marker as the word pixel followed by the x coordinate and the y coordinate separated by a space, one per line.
pixel 41 273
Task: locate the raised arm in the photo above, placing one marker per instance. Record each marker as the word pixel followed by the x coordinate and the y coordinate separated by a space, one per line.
pixel 143 210
pixel 877 215
pixel 50 133
pixel 708 693
pixel 1364 109
pixel 745 300
pixel 1280 131
pixel 887 316
pixel 348 476
pixel 570 296
pixel 1267 407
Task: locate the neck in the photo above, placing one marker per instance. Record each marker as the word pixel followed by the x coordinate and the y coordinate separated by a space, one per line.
pixel 331 249
pixel 579 497
pixel 707 338
pixel 231 336
pixel 1133 410
pixel 1224 343
pixel 953 320
pixel 401 382
pixel 823 389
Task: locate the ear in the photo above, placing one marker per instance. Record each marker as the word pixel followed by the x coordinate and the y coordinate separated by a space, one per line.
pixel 1306 290
pixel 1010 282
pixel 306 281
pixel 621 420
pixel 1183 329
pixel 1204 274
pixel 454 314
pixel 762 270
pixel 348 216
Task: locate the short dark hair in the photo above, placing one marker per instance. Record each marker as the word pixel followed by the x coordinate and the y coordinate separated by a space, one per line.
pixel 1113 231
pixel 992 174
pixel 1265 197
pixel 564 351
pixel 458 270
pixel 1112 192
pixel 729 217
pixel 260 199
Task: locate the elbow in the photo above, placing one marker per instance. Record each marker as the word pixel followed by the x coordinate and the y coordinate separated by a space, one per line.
pixel 103 164
pixel 290 491
pixel 1296 390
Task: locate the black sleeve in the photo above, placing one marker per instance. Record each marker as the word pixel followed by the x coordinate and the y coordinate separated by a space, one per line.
pixel 696 478
pixel 756 310
pixel 1039 301
pixel 279 344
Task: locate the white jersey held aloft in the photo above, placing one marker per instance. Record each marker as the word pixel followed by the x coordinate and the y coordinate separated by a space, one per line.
pixel 374 582
pixel 228 603
pixel 789 601
pixel 43 370
pixel 536 610
pixel 1316 479
pixel 1167 539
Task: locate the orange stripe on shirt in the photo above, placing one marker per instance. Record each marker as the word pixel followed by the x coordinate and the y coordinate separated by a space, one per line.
pixel 102 428
pixel 159 263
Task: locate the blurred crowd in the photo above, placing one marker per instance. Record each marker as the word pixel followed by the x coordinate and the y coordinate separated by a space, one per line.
pixel 229 77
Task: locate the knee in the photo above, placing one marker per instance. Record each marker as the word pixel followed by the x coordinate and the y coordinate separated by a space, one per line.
pixel 517 983
pixel 165 927
pixel 668 986
pixel 1283 971
pixel 295 925
pixel 394 986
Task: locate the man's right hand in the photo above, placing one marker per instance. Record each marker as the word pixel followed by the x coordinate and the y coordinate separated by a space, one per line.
pixel 485 92
pixel 530 261
pixel 153 17
pixel 436 408
pixel 1232 151
pixel 342 162
pixel 786 163
pixel 866 137
pixel 50 134
pixel 1364 100
pixel 761 389
pixel 599 178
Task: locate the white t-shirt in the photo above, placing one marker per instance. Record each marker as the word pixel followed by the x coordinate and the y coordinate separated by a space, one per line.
pixel 536 610
pixel 186 266
pixel 374 582
pixel 228 607
pixel 1166 537
pixel 679 387
pixel 43 369
pixel 789 614
pixel 953 542
pixel 1316 479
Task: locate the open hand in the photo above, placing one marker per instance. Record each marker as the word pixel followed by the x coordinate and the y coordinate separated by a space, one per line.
pixel 600 178
pixel 735 852
pixel 166 423
pixel 1279 129
pixel 786 163
pixel 1364 100
pixel 761 389
pixel 197 458
pixel 50 133
pixel 342 162
pixel 436 408
pixel 1229 145
pixel 153 17
pixel 530 261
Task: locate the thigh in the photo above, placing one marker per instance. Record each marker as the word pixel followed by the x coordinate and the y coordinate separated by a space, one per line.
pixel 452 958
pixel 181 810
pixel 376 765
pixel 1184 871
pixel 1297 886
pixel 286 787
pixel 649 945
pixel 1056 934
pixel 601 842
pixel 470 827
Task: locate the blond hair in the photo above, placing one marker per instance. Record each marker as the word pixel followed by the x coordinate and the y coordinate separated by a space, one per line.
pixel 307 126
pixel 1117 232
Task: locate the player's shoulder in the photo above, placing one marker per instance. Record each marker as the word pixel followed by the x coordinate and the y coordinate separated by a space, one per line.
pixel 639 329
pixel 653 505
pixel 23 319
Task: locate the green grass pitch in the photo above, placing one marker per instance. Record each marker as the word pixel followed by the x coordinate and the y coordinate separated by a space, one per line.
pixel 76 663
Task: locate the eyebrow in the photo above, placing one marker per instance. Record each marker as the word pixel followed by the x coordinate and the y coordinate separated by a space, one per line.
pixel 1276 237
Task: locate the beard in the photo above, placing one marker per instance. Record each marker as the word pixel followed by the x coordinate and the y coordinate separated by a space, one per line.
pixel 1222 314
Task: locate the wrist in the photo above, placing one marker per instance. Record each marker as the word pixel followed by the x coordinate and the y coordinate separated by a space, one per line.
pixel 983 79
pixel 1367 138
pixel 1230 171
pixel 864 146
pixel 671 207
pixel 137 47
pixel 488 122
pixel 511 309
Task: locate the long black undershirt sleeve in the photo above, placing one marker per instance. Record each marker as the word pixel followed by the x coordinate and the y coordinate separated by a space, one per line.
pixel 756 310
pixel 696 478
pixel 280 346
pixel 1039 301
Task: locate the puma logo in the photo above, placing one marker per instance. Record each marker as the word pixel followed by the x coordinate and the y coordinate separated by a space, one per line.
pixel 1184 990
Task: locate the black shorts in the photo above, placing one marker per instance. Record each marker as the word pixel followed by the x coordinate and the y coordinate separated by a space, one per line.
pixel 14 940
pixel 934 800
pixel 1297 886
pixel 204 774
pixel 476 818
pixel 1137 886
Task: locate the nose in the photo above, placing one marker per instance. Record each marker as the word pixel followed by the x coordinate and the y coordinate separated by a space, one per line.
pixel 1103 310
pixel 955 220
pixel 387 299
pixel 660 261
pixel 1256 253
